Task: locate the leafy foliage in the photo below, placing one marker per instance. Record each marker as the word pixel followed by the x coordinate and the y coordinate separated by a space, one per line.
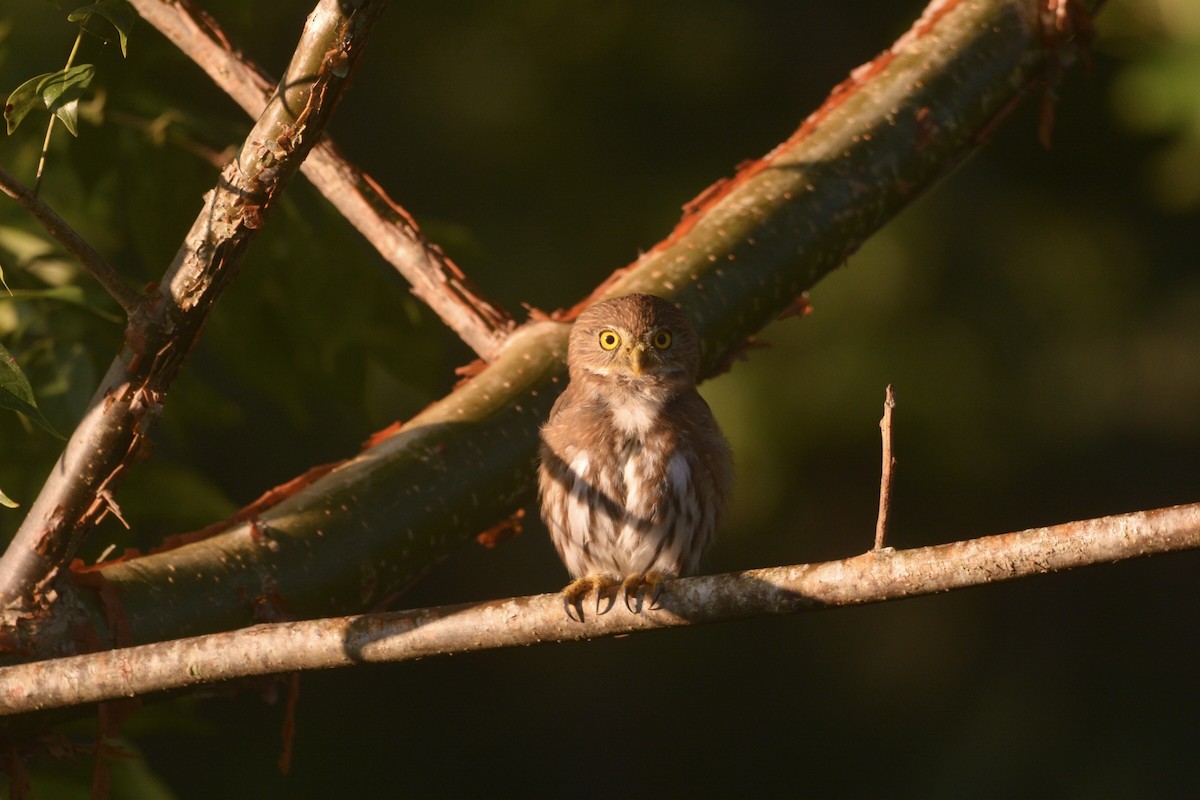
pixel 117 12
pixel 58 92
pixel 15 392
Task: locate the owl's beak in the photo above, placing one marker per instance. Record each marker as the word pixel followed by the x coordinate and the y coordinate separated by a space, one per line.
pixel 637 358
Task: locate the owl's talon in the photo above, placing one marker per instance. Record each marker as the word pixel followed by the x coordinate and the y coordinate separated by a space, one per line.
pixel 573 608
pixel 580 588
pixel 631 590
pixel 603 593
pixel 642 590
pixel 654 580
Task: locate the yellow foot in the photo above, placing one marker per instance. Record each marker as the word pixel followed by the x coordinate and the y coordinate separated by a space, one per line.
pixel 580 588
pixel 642 588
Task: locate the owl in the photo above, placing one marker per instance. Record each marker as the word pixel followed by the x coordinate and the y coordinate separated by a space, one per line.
pixel 634 472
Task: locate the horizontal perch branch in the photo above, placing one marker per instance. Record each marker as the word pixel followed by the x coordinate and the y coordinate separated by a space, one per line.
pixel 873 577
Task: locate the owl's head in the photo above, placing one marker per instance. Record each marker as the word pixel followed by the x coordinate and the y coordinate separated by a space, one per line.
pixel 637 338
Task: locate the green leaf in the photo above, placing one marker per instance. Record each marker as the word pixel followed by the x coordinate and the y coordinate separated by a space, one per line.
pixel 118 12
pixel 7 501
pixel 24 99
pixel 69 114
pixel 16 393
pixel 62 90
pixel 58 91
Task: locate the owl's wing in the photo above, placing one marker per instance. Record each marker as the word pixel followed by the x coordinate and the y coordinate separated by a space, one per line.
pixel 559 403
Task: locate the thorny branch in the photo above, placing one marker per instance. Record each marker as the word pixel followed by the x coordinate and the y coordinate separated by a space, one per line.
pixel 434 277
pixel 77 493
pixel 875 576
pixel 75 244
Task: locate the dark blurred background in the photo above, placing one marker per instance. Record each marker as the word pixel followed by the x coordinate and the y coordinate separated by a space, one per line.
pixel 1038 313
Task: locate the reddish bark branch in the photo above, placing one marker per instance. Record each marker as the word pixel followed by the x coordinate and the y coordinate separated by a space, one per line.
pixel 434 277
pixel 873 577
pixel 163 331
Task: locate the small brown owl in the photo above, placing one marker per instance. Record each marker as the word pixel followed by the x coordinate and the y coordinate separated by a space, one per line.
pixel 634 470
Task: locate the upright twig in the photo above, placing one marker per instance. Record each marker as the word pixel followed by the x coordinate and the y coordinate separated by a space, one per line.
pixel 41 167
pixel 481 323
pixel 889 463
pixel 159 338
pixel 74 244
pixel 407 635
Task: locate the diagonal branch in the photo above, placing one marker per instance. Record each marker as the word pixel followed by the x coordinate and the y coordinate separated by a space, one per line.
pixel 875 576
pixel 75 244
pixel 161 335
pixel 349 538
pixel 434 277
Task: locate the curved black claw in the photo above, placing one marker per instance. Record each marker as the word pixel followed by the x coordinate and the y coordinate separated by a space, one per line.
pixel 580 588
pixel 641 591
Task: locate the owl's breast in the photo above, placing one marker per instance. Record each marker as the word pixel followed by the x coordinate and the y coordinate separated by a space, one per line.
pixel 636 416
pixel 625 489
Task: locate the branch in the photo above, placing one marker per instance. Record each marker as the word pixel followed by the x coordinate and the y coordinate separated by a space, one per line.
pixel 743 252
pixel 885 475
pixel 75 244
pixel 161 335
pixel 873 577
pixel 435 279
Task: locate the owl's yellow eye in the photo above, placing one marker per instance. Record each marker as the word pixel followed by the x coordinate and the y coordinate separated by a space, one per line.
pixel 662 339
pixel 609 339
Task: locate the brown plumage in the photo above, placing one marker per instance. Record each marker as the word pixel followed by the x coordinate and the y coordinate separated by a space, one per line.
pixel 634 471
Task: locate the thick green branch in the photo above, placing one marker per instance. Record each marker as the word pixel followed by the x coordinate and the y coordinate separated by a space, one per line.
pixel 370 525
pixel 749 245
pixel 741 255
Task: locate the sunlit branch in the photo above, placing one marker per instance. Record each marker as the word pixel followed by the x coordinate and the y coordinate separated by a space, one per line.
pixel 435 278
pixel 77 493
pixel 873 577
